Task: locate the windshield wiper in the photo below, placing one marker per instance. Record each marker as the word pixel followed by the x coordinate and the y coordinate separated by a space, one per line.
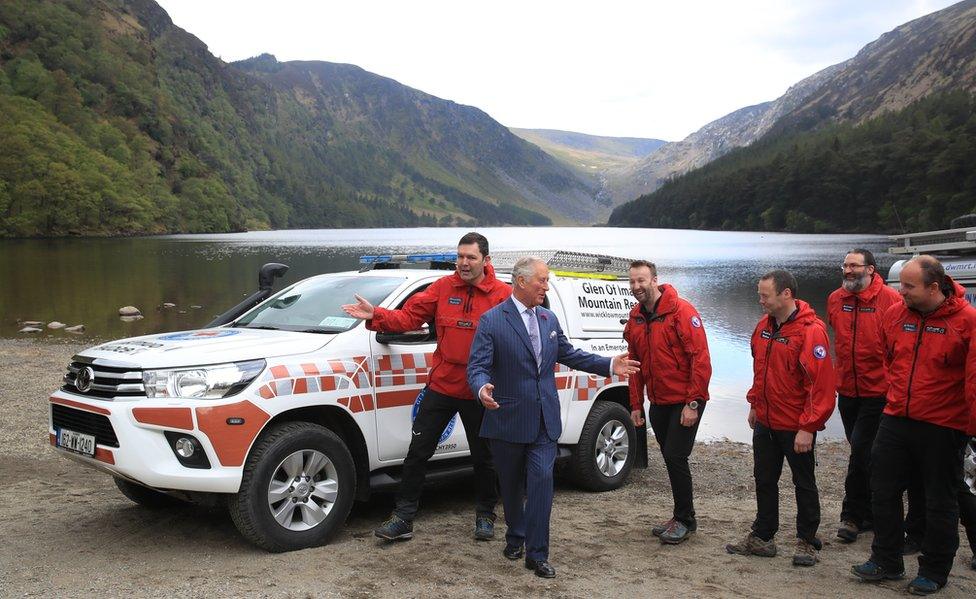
pixel 259 326
pixel 327 330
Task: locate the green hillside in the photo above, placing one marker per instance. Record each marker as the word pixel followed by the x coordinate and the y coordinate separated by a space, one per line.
pixel 903 171
pixel 114 121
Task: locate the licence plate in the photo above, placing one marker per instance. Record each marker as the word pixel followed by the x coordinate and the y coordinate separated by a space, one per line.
pixel 77 442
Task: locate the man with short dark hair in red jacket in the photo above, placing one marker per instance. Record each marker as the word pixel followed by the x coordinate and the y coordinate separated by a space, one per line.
pixel 454 303
pixel 666 335
pixel 855 312
pixel 791 398
pixel 928 341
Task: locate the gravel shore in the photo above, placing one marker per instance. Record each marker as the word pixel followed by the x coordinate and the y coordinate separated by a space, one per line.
pixel 67 531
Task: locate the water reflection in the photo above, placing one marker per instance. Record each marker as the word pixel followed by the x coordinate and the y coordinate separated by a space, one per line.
pixel 85 281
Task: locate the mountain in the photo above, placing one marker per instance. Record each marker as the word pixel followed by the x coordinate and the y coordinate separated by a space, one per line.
pixel 885 140
pixel 592 156
pixel 115 121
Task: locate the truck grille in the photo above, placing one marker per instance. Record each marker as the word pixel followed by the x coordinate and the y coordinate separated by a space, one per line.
pixel 84 422
pixel 109 381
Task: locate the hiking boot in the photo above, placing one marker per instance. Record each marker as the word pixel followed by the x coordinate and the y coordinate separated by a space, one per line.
pixel 484 528
pixel 911 547
pixel 676 533
pixel 872 572
pixel 806 553
pixel 395 529
pixel 923 586
pixel 848 531
pixel 660 528
pixel 753 545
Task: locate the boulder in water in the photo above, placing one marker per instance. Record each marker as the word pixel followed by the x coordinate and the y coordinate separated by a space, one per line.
pixel 56 325
pixel 129 311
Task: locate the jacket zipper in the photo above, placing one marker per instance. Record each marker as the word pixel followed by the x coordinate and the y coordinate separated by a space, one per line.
pixel 467 305
pixel 911 375
pixel 769 351
pixel 650 352
pixel 857 392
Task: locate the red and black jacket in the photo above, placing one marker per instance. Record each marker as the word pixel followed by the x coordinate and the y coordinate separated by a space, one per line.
pixel 671 346
pixel 930 361
pixel 793 378
pixel 857 320
pixel 455 308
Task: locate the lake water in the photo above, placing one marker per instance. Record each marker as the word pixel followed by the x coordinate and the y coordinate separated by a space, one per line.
pixel 86 281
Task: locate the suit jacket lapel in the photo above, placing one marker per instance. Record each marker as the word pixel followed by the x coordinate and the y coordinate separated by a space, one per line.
pixel 515 319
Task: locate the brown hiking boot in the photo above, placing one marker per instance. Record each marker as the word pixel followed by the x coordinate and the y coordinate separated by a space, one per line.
pixel 805 555
pixel 659 529
pixel 848 531
pixel 753 545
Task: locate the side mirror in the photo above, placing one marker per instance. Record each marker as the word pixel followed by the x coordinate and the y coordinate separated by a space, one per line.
pixel 418 337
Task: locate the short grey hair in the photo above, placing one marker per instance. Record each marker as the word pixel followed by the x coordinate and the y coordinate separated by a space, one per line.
pixel 525 267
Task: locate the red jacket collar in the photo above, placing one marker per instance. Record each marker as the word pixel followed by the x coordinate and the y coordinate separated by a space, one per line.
pixel 486 284
pixel 667 303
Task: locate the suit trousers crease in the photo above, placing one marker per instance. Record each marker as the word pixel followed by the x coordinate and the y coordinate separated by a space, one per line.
pixel 525 474
pixel 436 411
pixel 770 448
pixel 676 443
pixel 905 449
pixel 860 416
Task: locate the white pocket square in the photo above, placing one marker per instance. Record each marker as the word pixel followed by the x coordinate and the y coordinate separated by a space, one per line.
pixel 552 334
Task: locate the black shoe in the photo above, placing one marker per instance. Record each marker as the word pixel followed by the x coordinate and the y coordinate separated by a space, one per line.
pixel 872 572
pixel 513 553
pixel 541 567
pixel 395 529
pixel 484 528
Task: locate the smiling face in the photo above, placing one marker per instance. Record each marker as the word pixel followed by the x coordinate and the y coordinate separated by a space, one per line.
pixel 471 264
pixel 643 285
pixel 773 303
pixel 857 274
pixel 531 290
pixel 915 292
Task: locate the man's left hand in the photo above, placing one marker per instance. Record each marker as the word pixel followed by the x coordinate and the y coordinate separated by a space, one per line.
pixel 623 366
pixel 689 416
pixel 803 442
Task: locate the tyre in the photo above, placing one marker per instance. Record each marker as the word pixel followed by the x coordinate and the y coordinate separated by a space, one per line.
pixel 145 496
pixel 298 487
pixel 603 458
pixel 969 466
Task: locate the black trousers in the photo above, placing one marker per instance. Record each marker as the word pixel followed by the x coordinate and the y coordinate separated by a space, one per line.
pixel 860 416
pixel 676 442
pixel 905 449
pixel 915 525
pixel 436 411
pixel 769 449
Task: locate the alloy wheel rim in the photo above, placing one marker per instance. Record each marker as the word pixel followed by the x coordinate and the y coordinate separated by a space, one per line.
pixel 303 490
pixel 612 448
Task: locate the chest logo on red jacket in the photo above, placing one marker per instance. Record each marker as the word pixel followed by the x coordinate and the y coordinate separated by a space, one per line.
pixel 865 309
pixel 847 308
pixel 938 330
pixel 909 327
pixel 454 301
pixel 766 335
pixel 465 324
pixel 696 322
pixel 819 352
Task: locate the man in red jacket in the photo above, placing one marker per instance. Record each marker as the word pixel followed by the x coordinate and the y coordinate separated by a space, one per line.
pixel 855 311
pixel 665 334
pixel 791 398
pixel 454 303
pixel 928 342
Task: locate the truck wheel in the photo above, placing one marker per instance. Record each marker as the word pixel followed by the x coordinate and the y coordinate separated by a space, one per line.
pixel 603 458
pixel 145 496
pixel 298 487
pixel 969 465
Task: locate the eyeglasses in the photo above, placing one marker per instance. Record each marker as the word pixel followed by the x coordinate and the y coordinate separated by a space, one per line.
pixel 851 266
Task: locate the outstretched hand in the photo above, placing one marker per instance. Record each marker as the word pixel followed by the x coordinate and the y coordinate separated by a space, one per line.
pixel 622 365
pixel 361 309
pixel 485 395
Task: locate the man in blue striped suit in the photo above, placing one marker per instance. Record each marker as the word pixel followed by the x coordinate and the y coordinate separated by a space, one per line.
pixel 511 370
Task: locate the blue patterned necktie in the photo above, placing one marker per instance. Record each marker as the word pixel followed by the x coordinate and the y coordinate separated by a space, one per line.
pixel 534 335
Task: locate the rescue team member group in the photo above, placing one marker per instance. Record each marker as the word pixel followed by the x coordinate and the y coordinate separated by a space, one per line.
pixel 903 376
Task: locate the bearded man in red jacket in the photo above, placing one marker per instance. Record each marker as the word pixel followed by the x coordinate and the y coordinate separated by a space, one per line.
pixel 791 398
pixel 454 303
pixel 665 334
pixel 856 312
pixel 928 347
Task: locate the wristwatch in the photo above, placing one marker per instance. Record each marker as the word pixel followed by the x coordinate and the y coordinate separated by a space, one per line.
pixel 693 404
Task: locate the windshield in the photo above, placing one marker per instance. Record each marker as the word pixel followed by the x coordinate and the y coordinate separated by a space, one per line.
pixel 314 306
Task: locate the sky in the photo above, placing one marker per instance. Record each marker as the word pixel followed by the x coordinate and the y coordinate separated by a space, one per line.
pixel 619 68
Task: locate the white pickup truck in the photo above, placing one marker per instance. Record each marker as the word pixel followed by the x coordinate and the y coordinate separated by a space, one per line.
pixel 288 410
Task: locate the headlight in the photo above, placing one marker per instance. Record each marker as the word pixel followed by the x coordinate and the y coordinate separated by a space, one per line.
pixel 205 382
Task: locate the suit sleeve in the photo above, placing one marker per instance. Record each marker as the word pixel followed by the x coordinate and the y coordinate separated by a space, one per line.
pixel 578 359
pixel 819 370
pixel 635 383
pixel 419 309
pixel 695 344
pixel 482 356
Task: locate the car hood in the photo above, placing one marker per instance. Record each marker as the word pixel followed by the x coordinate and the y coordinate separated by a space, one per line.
pixel 202 347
